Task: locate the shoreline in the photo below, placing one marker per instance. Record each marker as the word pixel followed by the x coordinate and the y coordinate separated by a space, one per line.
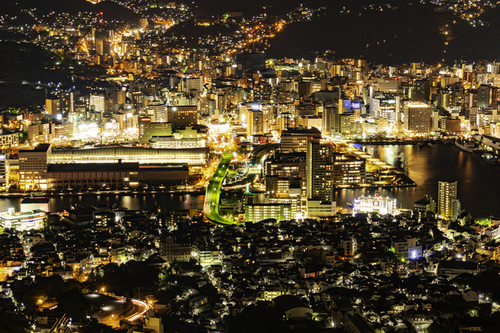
pixel 105 193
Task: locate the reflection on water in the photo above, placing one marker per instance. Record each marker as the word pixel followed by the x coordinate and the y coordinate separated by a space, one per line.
pixel 478 181
pixel 131 202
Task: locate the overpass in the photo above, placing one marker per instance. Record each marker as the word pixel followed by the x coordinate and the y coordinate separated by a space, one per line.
pixel 212 195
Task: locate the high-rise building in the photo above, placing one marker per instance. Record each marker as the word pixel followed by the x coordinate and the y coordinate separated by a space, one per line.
pixel 417 118
pixel 158 110
pixel 320 167
pixel 97 103
pixel 255 122
pixel 3 178
pixel 483 96
pixel 448 204
pixel 53 106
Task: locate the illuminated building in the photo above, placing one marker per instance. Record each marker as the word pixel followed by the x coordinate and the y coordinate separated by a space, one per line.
pixel 344 123
pixel 375 204
pixel 320 165
pixel 350 246
pixel 33 167
pixel 22 221
pixel 158 110
pixel 148 129
pixel 63 131
pixel 9 139
pixel 257 212
pixel 292 200
pixel 348 170
pixel 190 156
pixel 53 106
pixel 255 122
pixel 181 116
pixel 483 96
pixel 386 107
pixel 34 204
pixel 448 204
pixel 93 175
pixel 451 125
pixel 406 248
pixel 67 101
pixel 318 208
pixel 210 257
pixel 3 176
pixel 277 186
pixel 424 205
pixel 162 135
pixel 330 120
pixel 172 250
pixel 422 89
pixel 287 165
pixel 387 85
pixel 97 103
pixel 295 139
pixel 417 118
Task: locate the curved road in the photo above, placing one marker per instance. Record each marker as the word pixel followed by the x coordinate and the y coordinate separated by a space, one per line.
pixel 212 195
pixel 255 158
pixel 112 309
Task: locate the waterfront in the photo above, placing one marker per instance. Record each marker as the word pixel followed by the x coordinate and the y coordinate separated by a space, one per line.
pixel 478 183
pixel 166 201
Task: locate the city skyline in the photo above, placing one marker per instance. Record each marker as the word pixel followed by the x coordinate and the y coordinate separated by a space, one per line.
pixel 272 166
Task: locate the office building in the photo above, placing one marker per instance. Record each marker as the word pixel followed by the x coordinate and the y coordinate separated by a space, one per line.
pixel 182 115
pixel 3 174
pixel 295 139
pixel 149 129
pixel 417 118
pixel 97 103
pixel 287 165
pixel 348 170
pixel 112 175
pixel 158 110
pixel 33 167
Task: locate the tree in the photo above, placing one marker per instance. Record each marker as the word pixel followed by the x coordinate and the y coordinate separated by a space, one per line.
pixel 73 304
pixel 13 323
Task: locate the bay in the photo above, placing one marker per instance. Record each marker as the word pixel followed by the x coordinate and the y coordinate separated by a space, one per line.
pixel 478 181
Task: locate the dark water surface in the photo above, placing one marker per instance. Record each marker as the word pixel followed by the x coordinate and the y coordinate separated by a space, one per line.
pixel 478 183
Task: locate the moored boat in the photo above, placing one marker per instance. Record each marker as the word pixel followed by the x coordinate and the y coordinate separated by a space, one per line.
pixel 465 146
